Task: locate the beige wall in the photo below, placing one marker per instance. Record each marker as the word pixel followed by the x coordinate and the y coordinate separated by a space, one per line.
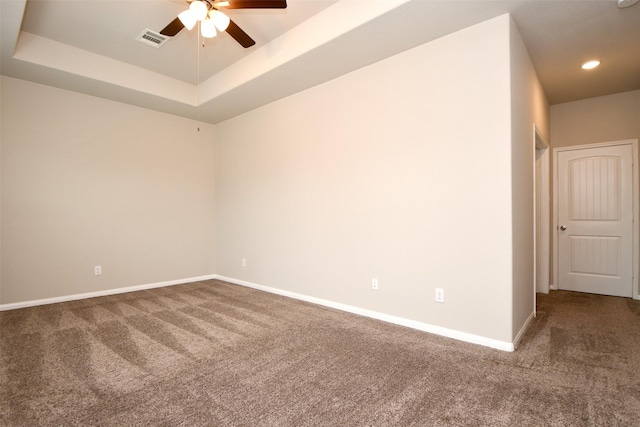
pixel 408 170
pixel 399 171
pixel 603 119
pixel 529 106
pixel 606 118
pixel 86 182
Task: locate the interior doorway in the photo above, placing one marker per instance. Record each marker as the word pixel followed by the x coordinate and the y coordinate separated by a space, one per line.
pixel 595 234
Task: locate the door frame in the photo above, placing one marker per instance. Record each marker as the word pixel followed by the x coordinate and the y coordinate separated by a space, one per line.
pixel 635 256
pixel 541 214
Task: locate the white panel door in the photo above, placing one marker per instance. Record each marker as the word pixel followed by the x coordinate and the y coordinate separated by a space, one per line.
pixel 595 218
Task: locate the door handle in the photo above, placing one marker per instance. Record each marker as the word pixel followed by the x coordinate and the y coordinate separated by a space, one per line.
pixel 563 227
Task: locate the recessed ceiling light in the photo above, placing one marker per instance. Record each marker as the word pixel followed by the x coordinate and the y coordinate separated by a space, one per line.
pixel 590 64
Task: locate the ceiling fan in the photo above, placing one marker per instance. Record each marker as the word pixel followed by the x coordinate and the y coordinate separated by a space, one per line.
pixel 208 13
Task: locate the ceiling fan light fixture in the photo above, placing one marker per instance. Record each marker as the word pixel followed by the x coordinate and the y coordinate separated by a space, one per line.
pixel 208 29
pixel 199 10
pixel 590 65
pixel 220 20
pixel 188 19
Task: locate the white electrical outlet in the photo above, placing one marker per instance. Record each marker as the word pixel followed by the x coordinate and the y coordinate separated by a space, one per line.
pixel 244 262
pixel 439 295
pixel 374 284
pixel 97 270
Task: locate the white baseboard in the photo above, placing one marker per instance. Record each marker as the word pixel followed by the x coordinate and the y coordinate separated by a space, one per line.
pixel 425 327
pixel 523 330
pixel 65 298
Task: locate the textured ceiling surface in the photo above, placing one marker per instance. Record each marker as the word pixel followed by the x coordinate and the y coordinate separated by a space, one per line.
pixel 90 47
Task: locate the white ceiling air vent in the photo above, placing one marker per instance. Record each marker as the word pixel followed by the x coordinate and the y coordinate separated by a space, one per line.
pixel 152 38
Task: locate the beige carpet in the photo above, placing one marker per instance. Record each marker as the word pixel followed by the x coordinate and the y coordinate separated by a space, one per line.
pixel 216 354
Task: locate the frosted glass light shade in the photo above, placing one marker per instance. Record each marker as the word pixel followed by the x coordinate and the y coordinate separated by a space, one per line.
pixel 220 20
pixel 187 19
pixel 626 3
pixel 208 28
pixel 199 10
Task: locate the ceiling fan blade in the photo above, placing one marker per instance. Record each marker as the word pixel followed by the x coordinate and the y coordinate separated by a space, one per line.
pixel 173 28
pixel 257 4
pixel 241 37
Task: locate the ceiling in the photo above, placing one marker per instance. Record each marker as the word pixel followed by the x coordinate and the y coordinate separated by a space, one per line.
pixel 90 47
